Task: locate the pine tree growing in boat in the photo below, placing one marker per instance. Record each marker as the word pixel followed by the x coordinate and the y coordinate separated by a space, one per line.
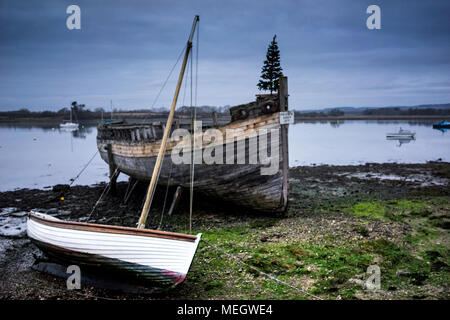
pixel 271 71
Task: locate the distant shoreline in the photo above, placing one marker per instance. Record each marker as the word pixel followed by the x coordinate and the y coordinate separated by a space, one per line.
pixel 369 117
pixel 227 118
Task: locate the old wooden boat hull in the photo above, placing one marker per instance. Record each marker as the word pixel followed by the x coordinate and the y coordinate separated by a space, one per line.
pixel 241 184
pixel 133 148
pixel 160 258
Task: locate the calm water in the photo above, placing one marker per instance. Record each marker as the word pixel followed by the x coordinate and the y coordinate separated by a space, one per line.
pixel 359 141
pixel 41 156
pixel 36 157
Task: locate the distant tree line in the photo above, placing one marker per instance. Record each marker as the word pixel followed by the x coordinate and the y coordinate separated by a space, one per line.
pixel 406 112
pixel 81 113
pixel 64 113
pixel 320 114
pixel 394 111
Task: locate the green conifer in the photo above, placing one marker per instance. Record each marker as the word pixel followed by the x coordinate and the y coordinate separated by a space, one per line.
pixel 271 71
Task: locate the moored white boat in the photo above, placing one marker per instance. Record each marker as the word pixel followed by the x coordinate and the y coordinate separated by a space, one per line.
pixel 69 125
pixel 401 134
pixel 162 258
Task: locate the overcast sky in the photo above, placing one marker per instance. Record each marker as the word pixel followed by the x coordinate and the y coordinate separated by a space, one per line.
pixel 125 50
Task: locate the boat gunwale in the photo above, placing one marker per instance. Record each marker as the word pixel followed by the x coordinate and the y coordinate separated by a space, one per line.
pixel 93 227
pixel 230 125
pixel 268 121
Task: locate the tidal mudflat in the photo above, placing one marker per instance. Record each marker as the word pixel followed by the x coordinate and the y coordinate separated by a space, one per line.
pixel 341 219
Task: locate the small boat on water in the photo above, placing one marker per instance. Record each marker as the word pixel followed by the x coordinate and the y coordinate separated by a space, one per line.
pixel 442 125
pixel 69 125
pixel 163 258
pixel 401 134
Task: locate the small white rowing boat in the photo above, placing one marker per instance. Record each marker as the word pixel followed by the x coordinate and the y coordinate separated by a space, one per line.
pixel 160 257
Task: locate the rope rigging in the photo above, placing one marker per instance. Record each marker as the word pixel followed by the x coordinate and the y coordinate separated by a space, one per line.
pixel 84 168
pixel 190 68
pixel 193 126
pixel 170 170
pixel 165 82
pixel 101 195
pixel 153 104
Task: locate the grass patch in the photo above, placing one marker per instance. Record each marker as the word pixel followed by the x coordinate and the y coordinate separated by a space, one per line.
pixel 328 266
pixel 368 209
pixel 417 261
pixel 391 210
pixel 336 265
pixel 400 268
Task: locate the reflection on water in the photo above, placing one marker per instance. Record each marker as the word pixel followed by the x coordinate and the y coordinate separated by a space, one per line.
pixel 38 155
pixel 443 130
pixel 361 141
pixel 401 140
pixel 81 132
pixel 402 136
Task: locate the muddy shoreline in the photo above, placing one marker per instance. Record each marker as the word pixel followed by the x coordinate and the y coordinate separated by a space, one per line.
pixel 341 206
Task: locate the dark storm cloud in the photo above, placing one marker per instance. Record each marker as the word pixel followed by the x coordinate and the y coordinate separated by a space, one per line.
pixel 126 48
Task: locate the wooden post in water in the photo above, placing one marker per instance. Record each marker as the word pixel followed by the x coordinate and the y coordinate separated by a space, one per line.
pixel 283 101
pixel 214 119
pixel 162 149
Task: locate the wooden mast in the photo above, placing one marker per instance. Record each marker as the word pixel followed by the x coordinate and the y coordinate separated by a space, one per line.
pixel 162 150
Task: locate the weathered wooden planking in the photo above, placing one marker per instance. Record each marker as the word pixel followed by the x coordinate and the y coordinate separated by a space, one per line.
pixel 135 148
pixel 241 184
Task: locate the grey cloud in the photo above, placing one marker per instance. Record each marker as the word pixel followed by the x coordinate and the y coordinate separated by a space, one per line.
pixel 126 48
